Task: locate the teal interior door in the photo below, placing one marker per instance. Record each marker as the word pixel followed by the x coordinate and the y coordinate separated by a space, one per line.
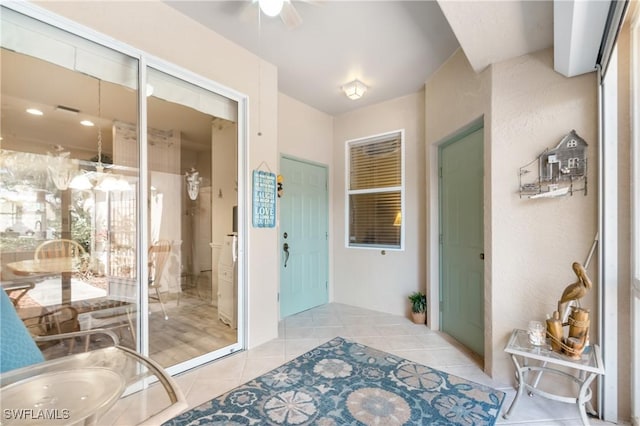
pixel 461 240
pixel 304 230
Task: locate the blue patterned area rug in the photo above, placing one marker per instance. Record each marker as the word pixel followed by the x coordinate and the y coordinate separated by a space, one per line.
pixel 345 383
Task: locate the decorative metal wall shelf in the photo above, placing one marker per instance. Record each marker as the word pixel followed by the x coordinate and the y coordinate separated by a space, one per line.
pixel 556 172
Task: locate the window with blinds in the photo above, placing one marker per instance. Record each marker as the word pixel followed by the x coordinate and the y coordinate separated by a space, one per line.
pixel 375 191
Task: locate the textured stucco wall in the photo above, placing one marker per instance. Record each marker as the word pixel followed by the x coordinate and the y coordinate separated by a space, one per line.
pixel 364 277
pixel 529 244
pixel 534 242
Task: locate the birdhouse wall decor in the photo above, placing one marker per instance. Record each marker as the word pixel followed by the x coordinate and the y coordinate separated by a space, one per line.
pixel 556 172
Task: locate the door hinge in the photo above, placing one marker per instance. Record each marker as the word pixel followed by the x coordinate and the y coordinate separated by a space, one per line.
pixel 440 172
pixel 441 238
pixel 278 298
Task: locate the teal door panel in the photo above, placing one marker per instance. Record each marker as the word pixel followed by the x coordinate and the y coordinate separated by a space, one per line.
pixel 304 229
pixel 462 240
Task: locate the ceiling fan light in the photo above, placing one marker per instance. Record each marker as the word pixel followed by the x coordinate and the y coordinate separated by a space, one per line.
pixel 354 89
pixel 271 7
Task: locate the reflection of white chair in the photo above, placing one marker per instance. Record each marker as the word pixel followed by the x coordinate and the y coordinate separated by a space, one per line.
pixel 59 248
pixel 62 248
pixel 158 256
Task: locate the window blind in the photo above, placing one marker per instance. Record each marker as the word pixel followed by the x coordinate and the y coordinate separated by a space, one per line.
pixel 375 192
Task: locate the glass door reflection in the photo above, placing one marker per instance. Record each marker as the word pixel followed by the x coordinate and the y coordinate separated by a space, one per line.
pixel 68 199
pixel 192 174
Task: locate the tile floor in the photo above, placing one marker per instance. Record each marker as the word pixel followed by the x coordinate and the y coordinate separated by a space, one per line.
pixel 304 331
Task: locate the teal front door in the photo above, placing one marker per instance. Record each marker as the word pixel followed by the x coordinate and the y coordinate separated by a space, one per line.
pixel 304 235
pixel 461 240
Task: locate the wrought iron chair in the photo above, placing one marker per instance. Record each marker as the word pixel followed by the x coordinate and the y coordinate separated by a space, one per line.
pixel 17 289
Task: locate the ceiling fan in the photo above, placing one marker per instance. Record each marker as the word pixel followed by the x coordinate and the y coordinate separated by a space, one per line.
pixel 284 8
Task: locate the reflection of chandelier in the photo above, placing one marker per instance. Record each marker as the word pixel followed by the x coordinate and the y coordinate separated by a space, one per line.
pixel 60 168
pixel 193 179
pixel 105 181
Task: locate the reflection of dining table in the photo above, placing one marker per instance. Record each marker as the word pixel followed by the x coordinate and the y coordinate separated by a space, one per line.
pixel 65 266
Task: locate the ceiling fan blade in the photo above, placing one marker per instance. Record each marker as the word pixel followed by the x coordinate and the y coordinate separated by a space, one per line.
pixel 290 15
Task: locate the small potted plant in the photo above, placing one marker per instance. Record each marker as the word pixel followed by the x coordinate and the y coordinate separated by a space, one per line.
pixel 418 307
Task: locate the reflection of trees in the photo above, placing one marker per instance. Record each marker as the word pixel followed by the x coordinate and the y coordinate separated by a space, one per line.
pixel 23 169
pixel 81 224
pixel 25 185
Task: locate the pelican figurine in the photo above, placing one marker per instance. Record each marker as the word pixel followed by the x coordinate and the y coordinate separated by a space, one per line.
pixel 577 290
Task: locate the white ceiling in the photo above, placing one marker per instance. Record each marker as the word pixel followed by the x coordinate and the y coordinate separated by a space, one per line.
pixel 392 46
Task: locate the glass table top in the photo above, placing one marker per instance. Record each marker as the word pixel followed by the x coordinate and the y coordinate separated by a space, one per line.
pixel 519 344
pixel 58 397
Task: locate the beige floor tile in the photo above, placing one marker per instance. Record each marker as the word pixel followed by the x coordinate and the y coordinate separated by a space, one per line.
pixel 394 334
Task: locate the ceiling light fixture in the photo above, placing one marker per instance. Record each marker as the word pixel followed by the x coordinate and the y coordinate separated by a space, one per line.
pixel 34 111
pixel 354 89
pixel 105 181
pixel 271 7
pixel 80 182
pixel 87 123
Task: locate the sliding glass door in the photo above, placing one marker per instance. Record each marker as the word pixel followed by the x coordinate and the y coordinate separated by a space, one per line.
pixel 192 141
pixel 68 258
pixel 118 209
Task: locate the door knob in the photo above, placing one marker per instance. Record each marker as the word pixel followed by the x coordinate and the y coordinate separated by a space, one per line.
pixel 285 247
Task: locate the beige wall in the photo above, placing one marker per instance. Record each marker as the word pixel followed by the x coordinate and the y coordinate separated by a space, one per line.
pixel 190 45
pixel 534 242
pixel 456 97
pixel 306 133
pixel 366 278
pixel 529 244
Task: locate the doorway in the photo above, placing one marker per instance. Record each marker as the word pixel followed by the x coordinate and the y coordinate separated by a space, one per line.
pixel 461 239
pixel 304 235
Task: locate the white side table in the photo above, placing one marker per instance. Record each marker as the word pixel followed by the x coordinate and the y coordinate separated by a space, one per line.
pixel 542 359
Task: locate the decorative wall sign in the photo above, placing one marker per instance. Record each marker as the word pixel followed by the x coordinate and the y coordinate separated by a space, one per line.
pixel 264 199
pixel 557 172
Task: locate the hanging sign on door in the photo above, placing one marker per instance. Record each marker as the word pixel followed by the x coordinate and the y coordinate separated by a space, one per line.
pixel 264 199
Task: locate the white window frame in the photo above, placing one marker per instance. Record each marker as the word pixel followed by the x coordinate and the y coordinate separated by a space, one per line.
pixel 372 139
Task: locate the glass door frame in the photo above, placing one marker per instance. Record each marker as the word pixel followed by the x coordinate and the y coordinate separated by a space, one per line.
pixel 146 60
